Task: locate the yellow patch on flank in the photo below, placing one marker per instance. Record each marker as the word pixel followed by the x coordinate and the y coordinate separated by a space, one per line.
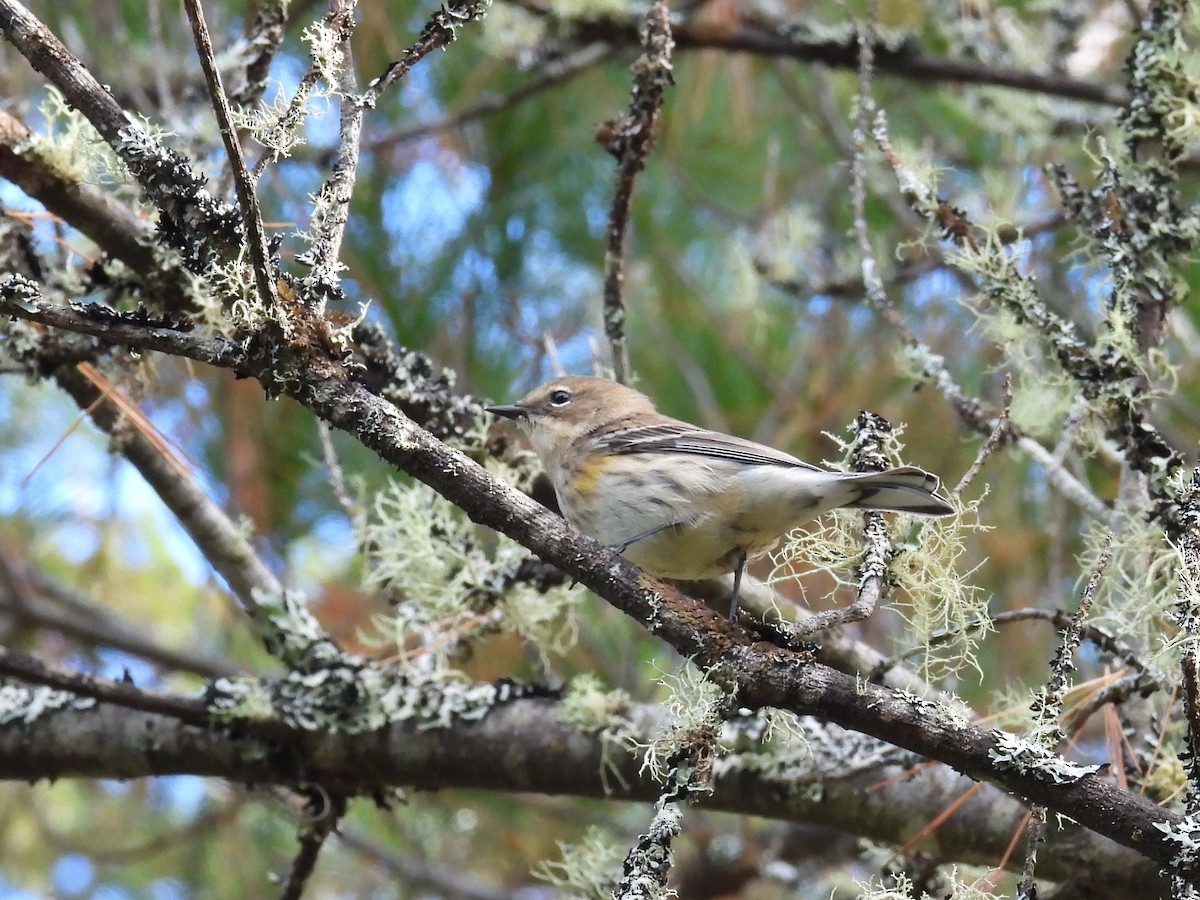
pixel 587 476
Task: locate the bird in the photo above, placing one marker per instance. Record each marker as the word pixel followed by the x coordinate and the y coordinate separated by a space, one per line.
pixel 684 502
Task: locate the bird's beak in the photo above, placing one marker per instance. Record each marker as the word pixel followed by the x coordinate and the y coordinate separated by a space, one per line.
pixel 508 410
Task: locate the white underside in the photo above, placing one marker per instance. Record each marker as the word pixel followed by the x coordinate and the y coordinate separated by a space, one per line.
pixel 734 509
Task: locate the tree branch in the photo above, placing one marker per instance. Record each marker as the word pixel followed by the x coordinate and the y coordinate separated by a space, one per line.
pixel 766 676
pixel 630 138
pixel 199 225
pixel 793 41
pixel 527 746
pixel 256 236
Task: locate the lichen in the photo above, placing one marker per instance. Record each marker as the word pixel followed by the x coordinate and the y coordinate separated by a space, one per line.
pixel 586 870
pixel 454 585
pixel 25 704
pixel 1186 834
pixel 1014 753
pixel 945 614
pixel 649 862
pixel 353 696
pixel 606 714
pixel 695 706
pixel 72 147
pixel 799 752
pixel 900 887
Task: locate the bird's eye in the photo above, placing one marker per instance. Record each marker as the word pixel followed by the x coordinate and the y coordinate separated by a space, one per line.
pixel 561 397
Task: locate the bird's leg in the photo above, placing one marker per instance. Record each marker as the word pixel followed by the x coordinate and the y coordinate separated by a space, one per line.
pixel 737 584
pixel 642 535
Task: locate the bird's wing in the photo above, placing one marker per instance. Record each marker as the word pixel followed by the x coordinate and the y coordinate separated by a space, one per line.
pixel 680 437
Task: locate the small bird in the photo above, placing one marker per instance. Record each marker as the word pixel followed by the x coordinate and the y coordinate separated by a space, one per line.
pixel 681 501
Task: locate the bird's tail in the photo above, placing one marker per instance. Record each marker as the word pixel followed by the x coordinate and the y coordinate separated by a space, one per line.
pixel 904 489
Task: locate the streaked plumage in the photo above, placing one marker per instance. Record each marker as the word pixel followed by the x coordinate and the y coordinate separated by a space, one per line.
pixel 686 502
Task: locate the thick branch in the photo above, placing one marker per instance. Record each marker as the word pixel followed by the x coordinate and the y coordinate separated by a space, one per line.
pixel 525 746
pixel 223 544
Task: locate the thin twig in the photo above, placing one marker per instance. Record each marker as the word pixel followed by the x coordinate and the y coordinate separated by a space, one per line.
pixel 337 476
pixel 630 138
pixel 553 72
pixel 29 668
pixel 1035 827
pixel 1112 694
pixel 1104 640
pixel 440 31
pixel 1047 708
pixel 277 136
pixel 258 48
pixel 313 833
pixel 1063 481
pixel 256 234
pixel 870 432
pixel 1188 613
pixel 994 441
pixel 331 210
pixel 792 39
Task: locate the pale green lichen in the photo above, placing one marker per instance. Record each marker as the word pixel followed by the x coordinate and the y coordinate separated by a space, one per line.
pixel 277 123
pixel 22 341
pixel 786 244
pixel 918 179
pixel 1167 777
pixel 72 147
pixel 453 583
pixel 696 704
pixel 353 696
pixel 510 31
pixel 586 870
pixel 291 632
pixel 241 699
pixel 901 887
pixel 226 298
pixel 801 752
pixel 606 714
pixel 1140 589
pixel 1043 395
pixel 1185 835
pixel 1010 708
pixel 325 48
pixel 589 707
pixel 945 614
